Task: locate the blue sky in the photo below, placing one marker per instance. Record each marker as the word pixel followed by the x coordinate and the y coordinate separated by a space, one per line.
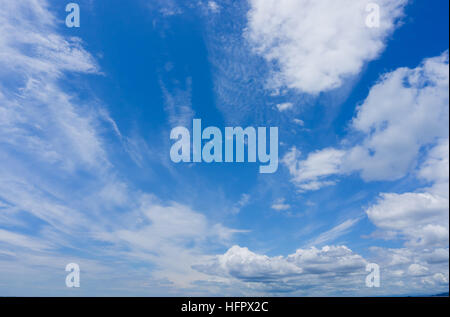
pixel 86 176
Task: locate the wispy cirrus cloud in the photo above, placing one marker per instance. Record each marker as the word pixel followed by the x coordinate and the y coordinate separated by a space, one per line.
pixel 66 196
pixel 334 233
pixel 58 183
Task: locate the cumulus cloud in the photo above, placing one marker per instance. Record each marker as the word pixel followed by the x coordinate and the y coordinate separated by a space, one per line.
pixel 242 264
pixel 435 169
pixel 406 111
pixel 316 45
pixel 308 174
pixel 421 220
pixel 403 128
pixel 420 217
pixel 45 130
pixel 405 268
pixel 329 259
pixel 417 270
pixel 398 211
pixel 437 256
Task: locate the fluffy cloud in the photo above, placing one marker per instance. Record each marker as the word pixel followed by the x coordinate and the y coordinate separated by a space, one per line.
pixel 421 220
pixel 406 268
pixel 435 169
pixel 399 211
pixel 406 111
pixel 403 128
pixel 284 106
pixel 242 264
pixel 437 256
pixel 246 265
pixel 329 259
pixel 309 174
pixel 317 44
pixel 420 217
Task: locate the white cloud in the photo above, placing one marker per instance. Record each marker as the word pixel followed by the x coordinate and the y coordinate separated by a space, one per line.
pixel 417 270
pixel 404 128
pixel 318 44
pixel 437 256
pixel 299 122
pixel 421 218
pixel 436 168
pixel 213 6
pixel 308 174
pixel 285 106
pixel 280 207
pixel 406 111
pixel 178 104
pixel 38 118
pixel 334 233
pixel 31 47
pixel 168 8
pixel 245 265
pixel 424 276
pixel 23 195
pixel 329 259
pixel 56 179
pixel 147 239
pixel 397 211
pixel 243 201
pixel 440 279
pixel 172 237
pixel 22 241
